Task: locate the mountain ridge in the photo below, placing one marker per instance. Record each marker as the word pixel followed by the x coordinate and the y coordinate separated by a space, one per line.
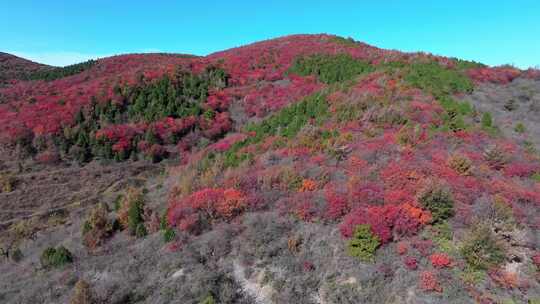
pixel 302 169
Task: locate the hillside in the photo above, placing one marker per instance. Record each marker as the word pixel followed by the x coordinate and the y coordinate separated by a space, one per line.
pixel 302 169
pixel 15 68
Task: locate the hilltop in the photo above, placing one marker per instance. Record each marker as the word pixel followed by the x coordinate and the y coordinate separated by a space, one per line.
pixel 302 169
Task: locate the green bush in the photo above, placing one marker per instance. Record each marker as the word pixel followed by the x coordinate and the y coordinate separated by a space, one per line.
pixel 330 68
pixel 344 41
pixel 480 249
pixel 16 255
pixel 363 243
pixel 487 120
pixel 511 105
pixel 140 231
pixel 55 257
pixel 454 113
pixel 208 300
pixel 291 119
pixel 520 128
pixel 118 202
pixel 168 234
pixel 437 79
pixel 135 216
pixel 163 224
pixel 438 200
pixel 466 64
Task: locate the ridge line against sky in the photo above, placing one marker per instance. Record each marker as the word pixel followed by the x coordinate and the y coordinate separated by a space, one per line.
pixel 66 32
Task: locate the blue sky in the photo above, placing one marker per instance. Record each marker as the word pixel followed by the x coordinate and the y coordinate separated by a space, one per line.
pixel 63 32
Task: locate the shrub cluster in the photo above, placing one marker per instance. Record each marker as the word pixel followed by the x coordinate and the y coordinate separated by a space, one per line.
pixel 131 212
pixel 97 227
pixel 454 113
pixel 55 257
pixel 440 260
pixel 330 68
pixel 60 72
pixel 481 250
pixel 495 157
pixel 437 79
pixel 387 221
pixel 430 282
pixel 203 207
pixel 461 164
pixel 520 128
pixel 438 200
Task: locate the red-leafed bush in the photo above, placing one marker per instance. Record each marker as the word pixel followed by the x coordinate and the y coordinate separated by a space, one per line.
pixel 205 206
pixel 440 260
pixel 536 260
pixel 303 206
pixel 48 157
pixel 308 185
pixel 219 125
pixel 414 212
pixel 521 169
pixel 387 221
pixel 402 248
pixel 308 266
pixel 429 282
pixel 397 196
pixel 233 201
pixel 380 220
pixel 218 101
pixel 410 262
pixel 402 176
pixel 423 247
pixel 121 146
pixel 504 278
pixel 498 75
pixel 366 192
pixel 336 202
pixel 532 74
pixel 226 143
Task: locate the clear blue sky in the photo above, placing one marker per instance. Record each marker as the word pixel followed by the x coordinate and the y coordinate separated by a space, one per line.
pixel 62 32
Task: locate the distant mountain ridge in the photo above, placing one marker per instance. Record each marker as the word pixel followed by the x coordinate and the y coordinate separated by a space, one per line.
pixel 305 169
pixel 17 68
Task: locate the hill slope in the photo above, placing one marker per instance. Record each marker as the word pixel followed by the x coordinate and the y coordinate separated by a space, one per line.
pixel 15 68
pixel 303 169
